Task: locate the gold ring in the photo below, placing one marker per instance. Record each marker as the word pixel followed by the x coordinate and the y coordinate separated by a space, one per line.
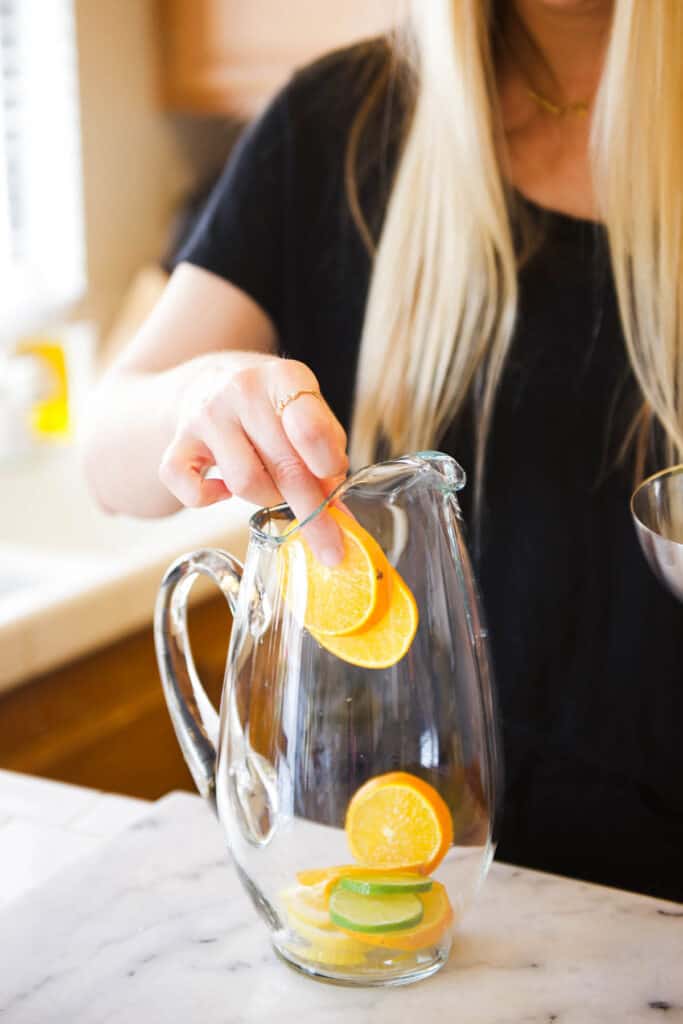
pixel 292 397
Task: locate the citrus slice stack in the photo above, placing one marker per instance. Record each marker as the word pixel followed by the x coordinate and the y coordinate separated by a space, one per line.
pixel 361 610
pixel 319 940
pixel 436 917
pixel 328 877
pixel 399 829
pixel 340 927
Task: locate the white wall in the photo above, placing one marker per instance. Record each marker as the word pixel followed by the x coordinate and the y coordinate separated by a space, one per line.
pixel 133 168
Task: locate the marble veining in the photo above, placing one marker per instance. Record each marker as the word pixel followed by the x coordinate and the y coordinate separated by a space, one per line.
pixel 46 825
pixel 155 927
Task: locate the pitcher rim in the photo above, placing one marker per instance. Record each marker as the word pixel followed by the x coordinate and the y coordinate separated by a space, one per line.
pixel 450 469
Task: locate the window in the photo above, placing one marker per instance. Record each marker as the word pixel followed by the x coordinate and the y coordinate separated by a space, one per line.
pixel 42 258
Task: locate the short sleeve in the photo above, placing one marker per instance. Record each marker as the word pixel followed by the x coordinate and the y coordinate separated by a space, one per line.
pixel 239 235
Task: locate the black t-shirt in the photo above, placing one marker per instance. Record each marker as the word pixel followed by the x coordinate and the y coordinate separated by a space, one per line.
pixel 587 646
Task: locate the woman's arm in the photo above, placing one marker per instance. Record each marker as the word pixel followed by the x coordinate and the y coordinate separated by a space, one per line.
pixel 133 413
pixel 199 385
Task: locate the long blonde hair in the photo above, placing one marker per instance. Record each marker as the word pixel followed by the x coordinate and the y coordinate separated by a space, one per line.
pixel 443 295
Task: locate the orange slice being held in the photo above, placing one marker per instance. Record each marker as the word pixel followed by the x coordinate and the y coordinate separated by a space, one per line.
pixel 386 636
pixel 342 599
pixel 398 819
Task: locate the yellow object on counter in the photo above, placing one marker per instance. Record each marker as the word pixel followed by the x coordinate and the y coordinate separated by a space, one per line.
pixel 49 416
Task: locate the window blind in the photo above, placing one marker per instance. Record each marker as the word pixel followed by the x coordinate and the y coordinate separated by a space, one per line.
pixel 9 207
pixel 42 259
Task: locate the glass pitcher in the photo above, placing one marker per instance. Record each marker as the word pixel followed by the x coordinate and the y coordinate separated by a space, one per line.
pixel 317 765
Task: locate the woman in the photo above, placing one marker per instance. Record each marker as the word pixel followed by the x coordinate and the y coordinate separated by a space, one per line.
pixel 518 166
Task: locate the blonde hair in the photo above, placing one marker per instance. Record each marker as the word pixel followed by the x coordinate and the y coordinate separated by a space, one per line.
pixel 443 295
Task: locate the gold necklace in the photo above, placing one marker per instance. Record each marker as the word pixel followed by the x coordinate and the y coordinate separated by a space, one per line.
pixel 578 107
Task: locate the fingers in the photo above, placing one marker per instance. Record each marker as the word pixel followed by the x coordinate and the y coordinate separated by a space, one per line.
pixel 316 435
pixel 182 470
pixel 308 422
pixel 187 460
pixel 297 457
pixel 300 488
pixel 240 464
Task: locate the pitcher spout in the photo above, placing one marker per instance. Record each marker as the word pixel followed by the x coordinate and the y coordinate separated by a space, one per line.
pixel 454 476
pixel 382 482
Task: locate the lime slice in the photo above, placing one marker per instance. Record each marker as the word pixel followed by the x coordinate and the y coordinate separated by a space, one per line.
pixel 374 914
pixel 385 885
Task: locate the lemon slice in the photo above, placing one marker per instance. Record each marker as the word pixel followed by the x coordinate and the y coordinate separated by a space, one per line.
pixel 326 946
pixel 307 905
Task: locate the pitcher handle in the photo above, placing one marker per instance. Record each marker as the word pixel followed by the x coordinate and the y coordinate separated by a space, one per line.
pixel 194 717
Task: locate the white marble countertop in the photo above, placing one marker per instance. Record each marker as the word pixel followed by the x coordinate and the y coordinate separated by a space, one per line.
pixel 46 826
pixel 153 926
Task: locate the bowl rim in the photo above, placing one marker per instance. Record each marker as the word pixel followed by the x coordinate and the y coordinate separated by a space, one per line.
pixel 669 471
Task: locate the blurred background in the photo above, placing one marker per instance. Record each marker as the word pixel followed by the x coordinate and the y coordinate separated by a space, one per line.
pixel 116 116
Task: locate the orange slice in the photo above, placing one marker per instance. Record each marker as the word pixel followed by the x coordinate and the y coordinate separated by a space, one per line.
pixel 436 920
pixel 398 819
pixel 386 635
pixel 327 878
pixel 340 599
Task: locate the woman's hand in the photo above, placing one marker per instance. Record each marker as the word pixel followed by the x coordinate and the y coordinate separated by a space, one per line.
pixel 231 417
pixel 199 386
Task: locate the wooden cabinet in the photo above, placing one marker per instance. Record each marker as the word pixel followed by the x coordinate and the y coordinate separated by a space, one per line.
pixel 229 56
pixel 102 720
